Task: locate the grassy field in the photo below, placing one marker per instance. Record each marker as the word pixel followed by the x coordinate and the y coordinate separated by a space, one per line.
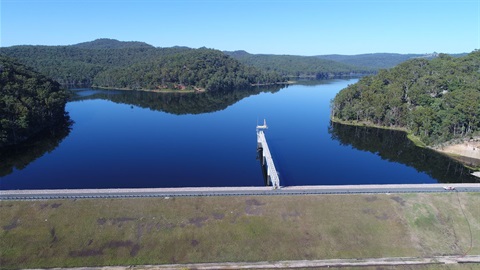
pixel 68 233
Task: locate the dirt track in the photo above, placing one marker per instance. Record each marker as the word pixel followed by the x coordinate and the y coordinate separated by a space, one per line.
pixel 440 260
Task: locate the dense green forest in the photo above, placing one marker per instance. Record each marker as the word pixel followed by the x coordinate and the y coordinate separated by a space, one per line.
pixel 111 63
pixel 299 66
pixel 436 100
pixel 138 65
pixel 29 103
pixel 201 68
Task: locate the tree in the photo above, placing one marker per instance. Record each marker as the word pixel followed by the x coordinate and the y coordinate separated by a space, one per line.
pixel 437 99
pixel 29 102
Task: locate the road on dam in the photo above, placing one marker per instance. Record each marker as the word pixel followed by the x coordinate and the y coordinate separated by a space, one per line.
pixel 231 191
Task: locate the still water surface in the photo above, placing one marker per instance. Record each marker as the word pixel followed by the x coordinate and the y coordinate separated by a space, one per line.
pixel 138 139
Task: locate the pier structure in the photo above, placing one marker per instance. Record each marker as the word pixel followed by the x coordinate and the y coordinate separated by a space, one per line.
pixel 267 159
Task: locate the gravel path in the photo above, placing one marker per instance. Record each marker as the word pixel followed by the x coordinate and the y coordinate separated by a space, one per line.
pixel 440 260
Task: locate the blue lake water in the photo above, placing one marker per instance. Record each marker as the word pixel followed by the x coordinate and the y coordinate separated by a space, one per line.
pixel 156 140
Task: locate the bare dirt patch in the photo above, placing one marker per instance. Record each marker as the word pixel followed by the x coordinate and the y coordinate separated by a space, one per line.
pixel 399 200
pixel 368 211
pixel 194 243
pixel 218 216
pixel 133 249
pixel 291 215
pixel 198 221
pixel 53 235
pixel 86 253
pixel 56 205
pixel 14 224
pixel 118 244
pixel 43 205
pixel 383 216
pixel 114 221
pixel 253 202
pixel 253 207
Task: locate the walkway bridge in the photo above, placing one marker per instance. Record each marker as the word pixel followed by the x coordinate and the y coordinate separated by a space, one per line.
pixel 267 160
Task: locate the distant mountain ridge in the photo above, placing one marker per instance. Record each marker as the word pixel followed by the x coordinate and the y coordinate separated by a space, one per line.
pixel 299 66
pixel 79 64
pixel 324 66
pixel 379 61
pixel 107 43
pixel 374 60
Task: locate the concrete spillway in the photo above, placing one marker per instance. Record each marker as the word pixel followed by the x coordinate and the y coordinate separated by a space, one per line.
pixel 267 159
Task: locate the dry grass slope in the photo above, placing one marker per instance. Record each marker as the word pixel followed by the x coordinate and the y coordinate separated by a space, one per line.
pixel 68 233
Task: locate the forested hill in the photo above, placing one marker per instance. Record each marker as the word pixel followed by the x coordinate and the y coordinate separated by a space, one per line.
pixel 437 100
pixel 29 103
pixel 299 66
pixel 111 63
pixel 106 43
pixel 375 61
pixel 200 68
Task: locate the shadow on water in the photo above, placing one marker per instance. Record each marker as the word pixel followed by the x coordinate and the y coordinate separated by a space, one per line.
pixel 20 156
pixel 394 146
pixel 263 166
pixel 176 103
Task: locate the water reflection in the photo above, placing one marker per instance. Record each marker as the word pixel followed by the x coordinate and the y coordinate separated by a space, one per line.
pixel 394 146
pixel 20 156
pixel 176 103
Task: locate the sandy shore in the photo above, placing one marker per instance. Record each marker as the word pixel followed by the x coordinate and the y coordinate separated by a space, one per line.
pixel 467 152
pixel 467 149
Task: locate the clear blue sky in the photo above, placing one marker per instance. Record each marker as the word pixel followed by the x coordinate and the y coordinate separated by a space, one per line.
pixel 301 27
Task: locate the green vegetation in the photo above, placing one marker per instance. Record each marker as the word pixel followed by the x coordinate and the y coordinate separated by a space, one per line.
pixel 299 66
pixel 29 103
pixel 436 100
pixel 69 233
pixel 181 103
pixel 107 43
pixel 202 68
pixel 136 65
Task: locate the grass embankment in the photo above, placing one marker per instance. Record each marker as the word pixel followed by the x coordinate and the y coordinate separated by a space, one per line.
pixel 67 233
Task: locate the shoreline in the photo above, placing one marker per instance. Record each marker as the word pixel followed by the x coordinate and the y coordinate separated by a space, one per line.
pixel 183 90
pixel 166 90
pixel 466 152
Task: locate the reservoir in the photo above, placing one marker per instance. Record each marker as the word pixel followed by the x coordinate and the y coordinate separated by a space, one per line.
pixel 134 139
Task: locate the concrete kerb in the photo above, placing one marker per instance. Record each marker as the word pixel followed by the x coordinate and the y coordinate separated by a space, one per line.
pixel 398 261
